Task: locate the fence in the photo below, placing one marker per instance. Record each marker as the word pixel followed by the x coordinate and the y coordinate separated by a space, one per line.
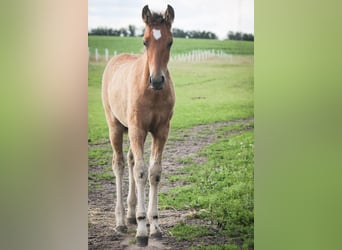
pixel 200 55
pixel 192 56
pixel 97 57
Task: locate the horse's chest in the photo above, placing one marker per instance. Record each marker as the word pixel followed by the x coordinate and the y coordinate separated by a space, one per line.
pixel 158 111
pixel 153 114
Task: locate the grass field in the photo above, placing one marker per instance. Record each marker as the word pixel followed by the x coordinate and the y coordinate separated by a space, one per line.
pixel 218 89
pixel 180 45
pixel 220 191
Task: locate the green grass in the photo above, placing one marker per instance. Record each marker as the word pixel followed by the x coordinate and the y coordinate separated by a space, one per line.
pixel 180 45
pixel 211 91
pixel 218 247
pixel 97 127
pixel 109 176
pixel 183 231
pixel 100 156
pixel 221 189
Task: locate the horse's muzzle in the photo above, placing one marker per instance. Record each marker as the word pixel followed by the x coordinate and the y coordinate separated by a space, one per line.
pixel 157 82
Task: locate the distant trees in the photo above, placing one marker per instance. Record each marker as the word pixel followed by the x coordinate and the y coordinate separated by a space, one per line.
pixel 104 31
pixel 131 30
pixel 193 34
pixel 179 33
pixel 240 36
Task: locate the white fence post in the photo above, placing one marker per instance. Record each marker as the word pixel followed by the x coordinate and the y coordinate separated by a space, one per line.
pixel 191 56
pixel 106 54
pixel 96 54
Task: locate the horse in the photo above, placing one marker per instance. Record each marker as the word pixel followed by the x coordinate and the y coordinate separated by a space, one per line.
pixel 138 98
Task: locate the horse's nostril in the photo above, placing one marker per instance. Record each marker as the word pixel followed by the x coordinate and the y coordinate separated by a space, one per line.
pixel 157 80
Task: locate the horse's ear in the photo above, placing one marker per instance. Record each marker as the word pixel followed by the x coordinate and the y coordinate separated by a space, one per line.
pixel 146 14
pixel 169 14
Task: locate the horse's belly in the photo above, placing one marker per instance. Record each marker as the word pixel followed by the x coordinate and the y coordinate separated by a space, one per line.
pixel 119 114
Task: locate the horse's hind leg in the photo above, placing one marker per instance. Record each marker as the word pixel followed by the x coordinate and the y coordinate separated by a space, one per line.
pixel 116 130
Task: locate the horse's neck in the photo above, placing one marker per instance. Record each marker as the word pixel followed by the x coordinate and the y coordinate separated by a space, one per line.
pixel 146 71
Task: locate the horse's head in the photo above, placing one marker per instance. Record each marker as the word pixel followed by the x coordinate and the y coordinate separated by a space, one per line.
pixel 157 41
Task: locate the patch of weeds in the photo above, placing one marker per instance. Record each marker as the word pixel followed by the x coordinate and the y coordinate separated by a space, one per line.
pixel 174 178
pixel 217 247
pixel 223 131
pixel 186 160
pixel 93 163
pixel 99 156
pixel 184 231
pixel 132 241
pixel 175 136
pixel 181 174
pixel 101 176
pixel 108 169
pixel 92 187
pixel 178 197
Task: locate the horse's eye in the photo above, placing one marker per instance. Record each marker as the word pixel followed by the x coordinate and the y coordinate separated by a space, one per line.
pixel 170 43
pixel 145 43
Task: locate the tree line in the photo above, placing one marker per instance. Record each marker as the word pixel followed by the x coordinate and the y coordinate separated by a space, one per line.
pixel 240 36
pixel 193 34
pixel 104 31
pixel 132 31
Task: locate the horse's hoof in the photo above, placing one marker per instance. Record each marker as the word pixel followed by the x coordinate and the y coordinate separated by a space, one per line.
pixel 157 235
pixel 142 241
pixel 131 221
pixel 121 229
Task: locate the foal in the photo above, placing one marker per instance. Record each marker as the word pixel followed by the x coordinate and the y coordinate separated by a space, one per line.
pixel 138 95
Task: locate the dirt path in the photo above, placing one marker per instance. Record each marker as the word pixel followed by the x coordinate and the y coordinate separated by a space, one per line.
pixel 183 145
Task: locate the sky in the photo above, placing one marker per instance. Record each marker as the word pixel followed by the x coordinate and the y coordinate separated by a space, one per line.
pixel 218 16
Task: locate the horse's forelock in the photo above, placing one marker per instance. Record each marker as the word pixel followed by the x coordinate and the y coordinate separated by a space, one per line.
pixel 157 18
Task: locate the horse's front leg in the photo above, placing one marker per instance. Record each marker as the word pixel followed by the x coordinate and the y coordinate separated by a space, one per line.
pixel 131 197
pixel 137 139
pixel 155 170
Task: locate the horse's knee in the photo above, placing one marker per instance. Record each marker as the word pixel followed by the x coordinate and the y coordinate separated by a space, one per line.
pixel 155 174
pixel 118 166
pixel 140 173
pixel 130 158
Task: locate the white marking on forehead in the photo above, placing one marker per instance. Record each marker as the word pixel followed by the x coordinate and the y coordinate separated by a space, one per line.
pixel 156 34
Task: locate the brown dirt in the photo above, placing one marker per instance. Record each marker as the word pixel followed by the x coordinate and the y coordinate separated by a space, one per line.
pixel 186 144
